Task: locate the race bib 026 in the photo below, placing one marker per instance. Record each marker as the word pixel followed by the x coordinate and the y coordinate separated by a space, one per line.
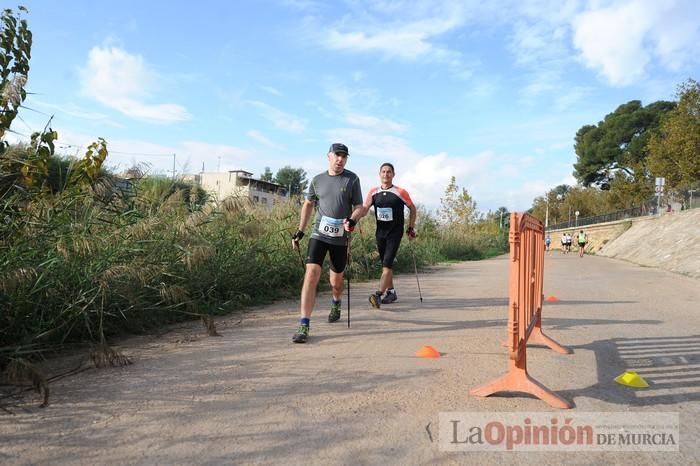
pixel 385 214
pixel 332 227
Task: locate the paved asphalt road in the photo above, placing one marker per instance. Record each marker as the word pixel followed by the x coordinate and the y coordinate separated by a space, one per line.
pixel 359 395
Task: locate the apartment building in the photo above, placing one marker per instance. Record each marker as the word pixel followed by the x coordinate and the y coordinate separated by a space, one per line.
pixel 242 184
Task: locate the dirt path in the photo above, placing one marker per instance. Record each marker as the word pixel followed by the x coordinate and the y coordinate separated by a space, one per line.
pixel 359 396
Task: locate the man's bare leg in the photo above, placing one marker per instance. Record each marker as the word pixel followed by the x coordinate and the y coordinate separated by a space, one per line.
pixel 308 290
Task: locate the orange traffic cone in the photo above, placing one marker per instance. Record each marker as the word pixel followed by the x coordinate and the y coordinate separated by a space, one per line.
pixel 552 299
pixel 428 352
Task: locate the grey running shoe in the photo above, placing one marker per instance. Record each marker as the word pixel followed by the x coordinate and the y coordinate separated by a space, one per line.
pixel 389 297
pixel 301 334
pixel 335 312
pixel 374 300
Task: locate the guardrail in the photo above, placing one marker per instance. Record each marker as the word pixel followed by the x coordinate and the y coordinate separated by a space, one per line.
pixel 647 208
pixel 525 312
pixel 639 211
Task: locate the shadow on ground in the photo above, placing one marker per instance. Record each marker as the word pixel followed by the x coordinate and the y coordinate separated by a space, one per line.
pixel 670 365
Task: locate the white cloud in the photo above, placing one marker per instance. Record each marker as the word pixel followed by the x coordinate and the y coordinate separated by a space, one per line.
pixel 532 43
pixel 567 99
pixel 348 99
pixel 271 90
pixel 401 44
pixel 404 30
pixel 262 139
pixel 190 156
pixel 610 40
pixel 427 177
pixel 73 110
pixel 121 81
pixel 282 120
pixel 226 156
pixel 375 123
pixel 368 143
pixel 358 75
pixel 623 40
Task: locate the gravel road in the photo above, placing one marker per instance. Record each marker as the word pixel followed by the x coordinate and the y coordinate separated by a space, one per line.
pixel 359 395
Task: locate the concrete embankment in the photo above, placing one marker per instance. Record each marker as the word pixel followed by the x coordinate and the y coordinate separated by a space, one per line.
pixel 670 241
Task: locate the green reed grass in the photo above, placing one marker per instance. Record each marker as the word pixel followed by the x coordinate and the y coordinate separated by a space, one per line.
pixel 83 266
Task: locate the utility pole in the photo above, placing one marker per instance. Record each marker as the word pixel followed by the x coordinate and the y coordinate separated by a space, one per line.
pixel 659 188
pixel 174 166
pixel 546 215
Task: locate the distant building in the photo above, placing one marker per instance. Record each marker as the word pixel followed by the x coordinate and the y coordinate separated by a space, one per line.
pixel 242 184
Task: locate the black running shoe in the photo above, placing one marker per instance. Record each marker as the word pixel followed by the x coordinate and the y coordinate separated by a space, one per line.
pixel 301 334
pixel 335 312
pixel 389 297
pixel 374 300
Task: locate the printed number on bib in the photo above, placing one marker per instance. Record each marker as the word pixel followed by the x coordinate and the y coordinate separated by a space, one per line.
pixel 385 214
pixel 332 227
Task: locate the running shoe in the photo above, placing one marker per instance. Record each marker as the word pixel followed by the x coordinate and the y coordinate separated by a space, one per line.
pixel 374 300
pixel 389 297
pixel 301 334
pixel 335 312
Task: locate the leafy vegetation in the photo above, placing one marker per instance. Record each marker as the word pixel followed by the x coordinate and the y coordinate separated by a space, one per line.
pixel 293 178
pixel 619 158
pixel 674 152
pixel 618 143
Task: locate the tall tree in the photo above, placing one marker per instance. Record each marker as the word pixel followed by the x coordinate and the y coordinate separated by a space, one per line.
pixel 618 143
pixel 267 176
pixel 457 207
pixel 293 178
pixel 674 152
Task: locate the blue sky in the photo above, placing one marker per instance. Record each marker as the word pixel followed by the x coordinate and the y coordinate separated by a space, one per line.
pixel 492 94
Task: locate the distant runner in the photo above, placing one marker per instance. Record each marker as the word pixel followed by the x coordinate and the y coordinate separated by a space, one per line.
pixel 547 242
pixel 389 202
pixel 337 195
pixel 582 240
pixel 563 243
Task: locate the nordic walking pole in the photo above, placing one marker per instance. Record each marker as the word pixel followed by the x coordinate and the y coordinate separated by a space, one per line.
pixel 296 237
pixel 415 270
pixel 347 269
pixel 303 267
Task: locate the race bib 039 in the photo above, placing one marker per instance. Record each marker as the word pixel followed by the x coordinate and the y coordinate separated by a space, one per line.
pixel 385 214
pixel 332 227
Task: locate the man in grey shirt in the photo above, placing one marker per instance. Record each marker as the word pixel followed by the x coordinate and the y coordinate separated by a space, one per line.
pixel 337 196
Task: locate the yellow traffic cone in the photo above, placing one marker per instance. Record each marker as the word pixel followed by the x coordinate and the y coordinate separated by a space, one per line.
pixel 631 379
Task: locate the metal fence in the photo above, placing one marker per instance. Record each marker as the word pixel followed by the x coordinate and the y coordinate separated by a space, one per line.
pixel 647 208
pixel 639 211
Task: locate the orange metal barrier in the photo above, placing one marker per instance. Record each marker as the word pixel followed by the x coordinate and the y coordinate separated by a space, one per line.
pixel 525 312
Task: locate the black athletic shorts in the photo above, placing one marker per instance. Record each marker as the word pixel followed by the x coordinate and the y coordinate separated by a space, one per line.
pixel 317 253
pixel 388 247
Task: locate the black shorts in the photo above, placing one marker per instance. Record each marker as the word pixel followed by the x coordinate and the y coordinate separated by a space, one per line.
pixel 388 247
pixel 580 244
pixel 317 253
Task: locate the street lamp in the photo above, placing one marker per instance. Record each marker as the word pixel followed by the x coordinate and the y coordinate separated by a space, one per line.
pixel 576 213
pixel 546 214
pixel 559 199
